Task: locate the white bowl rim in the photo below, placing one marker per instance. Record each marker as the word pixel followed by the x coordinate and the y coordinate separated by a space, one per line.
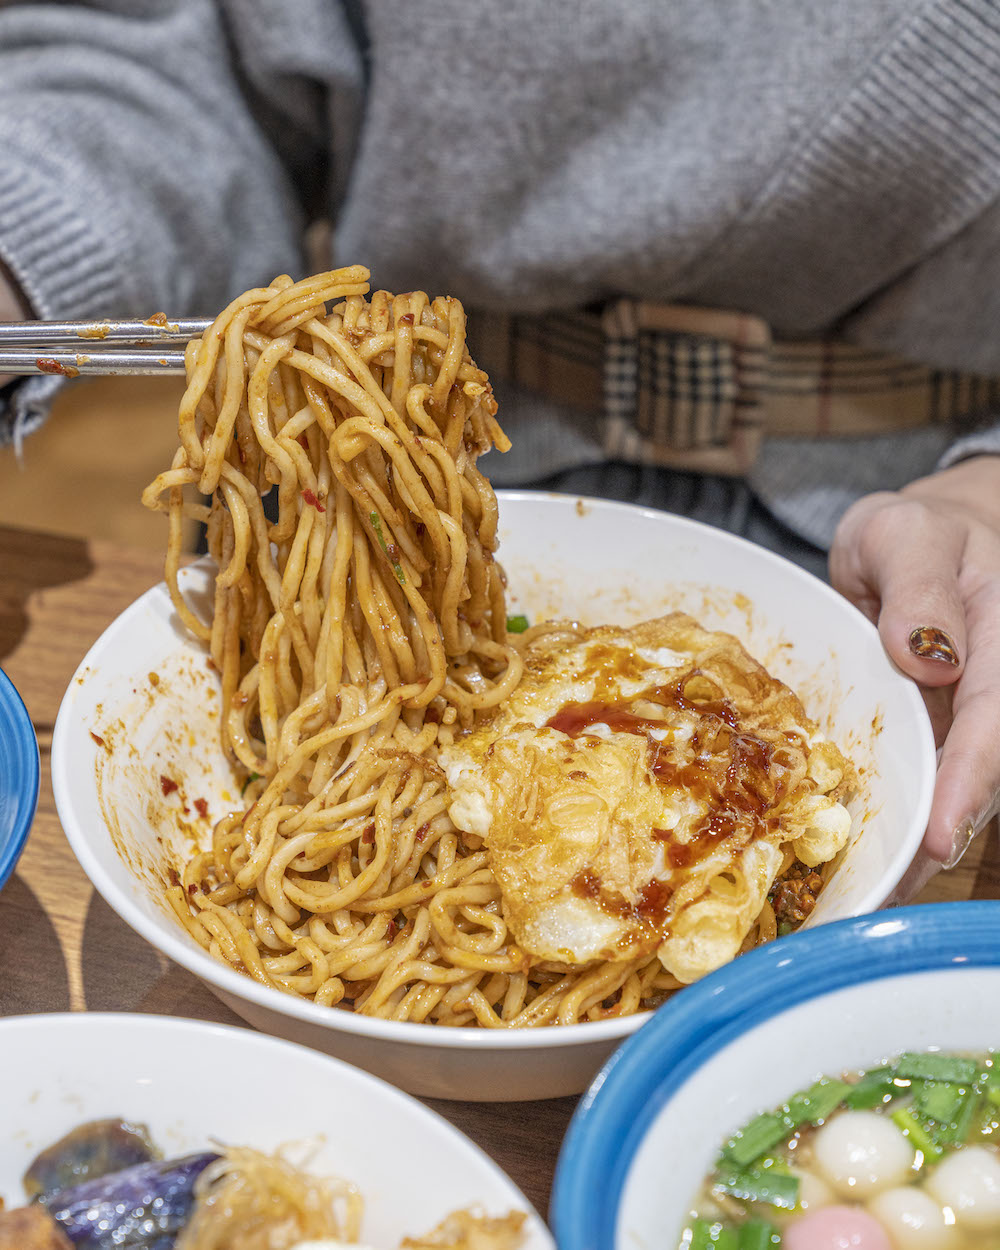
pixel 198 962
pixel 643 1074
pixel 141 1024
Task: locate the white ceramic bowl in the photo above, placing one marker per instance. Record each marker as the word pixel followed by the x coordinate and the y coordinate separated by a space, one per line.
pixel 193 1083
pixel 593 560
pixel 839 999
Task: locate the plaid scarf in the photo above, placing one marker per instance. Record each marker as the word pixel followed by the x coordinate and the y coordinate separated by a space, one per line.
pixel 697 389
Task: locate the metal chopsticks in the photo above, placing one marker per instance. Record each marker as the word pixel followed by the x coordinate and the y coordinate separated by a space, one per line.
pixel 97 347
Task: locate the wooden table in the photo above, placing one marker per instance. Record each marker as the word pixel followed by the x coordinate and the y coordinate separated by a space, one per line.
pixel 66 950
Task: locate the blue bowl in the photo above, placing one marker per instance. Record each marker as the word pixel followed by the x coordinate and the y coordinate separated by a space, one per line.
pixel 857 990
pixel 19 773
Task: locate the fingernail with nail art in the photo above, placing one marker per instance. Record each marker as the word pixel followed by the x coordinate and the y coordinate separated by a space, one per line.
pixel 960 842
pixel 928 643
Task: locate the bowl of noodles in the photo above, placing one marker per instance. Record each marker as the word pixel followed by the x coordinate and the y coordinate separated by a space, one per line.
pixel 338 1155
pixel 459 786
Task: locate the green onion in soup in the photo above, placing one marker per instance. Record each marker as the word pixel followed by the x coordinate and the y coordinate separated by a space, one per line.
pixel 905 1156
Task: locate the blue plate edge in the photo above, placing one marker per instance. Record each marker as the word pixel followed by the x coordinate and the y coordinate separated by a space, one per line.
pixel 26 748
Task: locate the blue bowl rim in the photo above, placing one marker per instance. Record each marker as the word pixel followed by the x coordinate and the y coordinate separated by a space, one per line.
pixel 648 1069
pixel 26 791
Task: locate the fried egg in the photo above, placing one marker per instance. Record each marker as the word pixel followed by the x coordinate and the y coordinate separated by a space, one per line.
pixel 641 790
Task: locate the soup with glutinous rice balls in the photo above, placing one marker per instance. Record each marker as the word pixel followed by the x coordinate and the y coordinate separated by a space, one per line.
pixel 904 1156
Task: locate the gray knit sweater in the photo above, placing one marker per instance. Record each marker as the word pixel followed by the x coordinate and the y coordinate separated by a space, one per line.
pixel 825 164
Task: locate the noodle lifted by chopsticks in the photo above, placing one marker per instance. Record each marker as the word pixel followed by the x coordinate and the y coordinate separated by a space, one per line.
pixel 354 637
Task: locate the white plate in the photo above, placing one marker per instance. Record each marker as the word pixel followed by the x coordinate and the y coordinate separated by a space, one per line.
pixel 593 560
pixel 192 1083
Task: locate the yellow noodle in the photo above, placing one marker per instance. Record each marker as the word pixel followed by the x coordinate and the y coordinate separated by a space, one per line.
pixel 354 635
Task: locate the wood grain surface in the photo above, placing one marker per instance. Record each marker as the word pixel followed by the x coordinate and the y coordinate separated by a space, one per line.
pixel 64 949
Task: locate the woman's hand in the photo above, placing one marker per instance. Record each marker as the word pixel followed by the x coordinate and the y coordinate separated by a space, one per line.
pixel 924 564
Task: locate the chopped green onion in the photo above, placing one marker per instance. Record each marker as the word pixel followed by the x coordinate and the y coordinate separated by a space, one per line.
pixel 777 1164
pixel 708 1233
pixel 808 1106
pixel 940 1100
pixel 937 1068
pixel 377 527
pixel 815 1103
pixel 517 624
pixel 917 1134
pixel 992 1087
pixel 915 1087
pixel 873 1089
pixel 957 1132
pixel 701 1235
pixel 775 1188
pixel 758 1235
pixel 756 1138
pixel 252 777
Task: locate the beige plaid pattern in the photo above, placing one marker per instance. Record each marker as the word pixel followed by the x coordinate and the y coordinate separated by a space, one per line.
pixel 697 389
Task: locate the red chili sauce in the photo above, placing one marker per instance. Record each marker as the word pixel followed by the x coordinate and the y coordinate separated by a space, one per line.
pixel 742 794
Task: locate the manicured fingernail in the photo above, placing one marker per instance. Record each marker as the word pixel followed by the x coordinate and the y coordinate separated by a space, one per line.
pixel 960 842
pixel 929 643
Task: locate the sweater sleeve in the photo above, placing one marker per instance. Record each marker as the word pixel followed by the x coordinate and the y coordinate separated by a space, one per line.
pixel 945 312
pixel 136 169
